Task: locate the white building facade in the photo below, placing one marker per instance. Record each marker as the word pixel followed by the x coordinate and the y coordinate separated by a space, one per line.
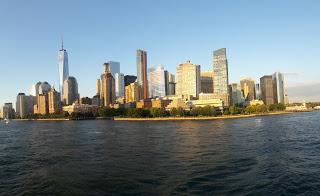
pixel 156 80
pixel 119 84
pixel 188 80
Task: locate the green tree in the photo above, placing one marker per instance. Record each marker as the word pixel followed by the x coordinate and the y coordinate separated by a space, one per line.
pixel 158 112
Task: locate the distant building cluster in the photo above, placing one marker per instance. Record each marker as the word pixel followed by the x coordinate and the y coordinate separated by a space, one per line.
pixel 151 87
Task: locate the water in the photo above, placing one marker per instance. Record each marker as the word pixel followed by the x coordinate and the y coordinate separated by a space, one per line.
pixel 270 155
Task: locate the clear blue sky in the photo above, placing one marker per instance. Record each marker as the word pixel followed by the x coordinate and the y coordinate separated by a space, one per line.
pixel 261 37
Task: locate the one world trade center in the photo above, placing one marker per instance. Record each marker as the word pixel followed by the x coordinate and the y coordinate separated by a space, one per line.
pixel 63 67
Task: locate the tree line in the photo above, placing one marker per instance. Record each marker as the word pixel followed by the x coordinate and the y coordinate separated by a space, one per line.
pixel 162 112
pixel 196 111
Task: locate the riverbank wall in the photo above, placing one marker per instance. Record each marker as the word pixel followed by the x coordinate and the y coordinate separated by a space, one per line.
pixel 199 118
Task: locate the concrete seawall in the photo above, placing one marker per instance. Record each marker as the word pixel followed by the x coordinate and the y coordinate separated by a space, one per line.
pixel 199 118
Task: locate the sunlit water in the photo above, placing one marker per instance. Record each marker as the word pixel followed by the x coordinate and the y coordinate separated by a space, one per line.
pixel 269 155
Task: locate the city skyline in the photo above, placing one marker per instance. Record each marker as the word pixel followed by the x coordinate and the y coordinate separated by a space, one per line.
pixel 30 68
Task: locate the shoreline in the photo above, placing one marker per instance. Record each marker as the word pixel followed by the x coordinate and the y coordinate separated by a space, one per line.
pixel 187 118
pixel 200 118
pixel 43 119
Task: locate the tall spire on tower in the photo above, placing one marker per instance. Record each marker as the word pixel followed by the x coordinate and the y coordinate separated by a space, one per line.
pixel 61 42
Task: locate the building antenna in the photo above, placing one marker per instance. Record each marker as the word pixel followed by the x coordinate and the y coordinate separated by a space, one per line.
pixel 61 42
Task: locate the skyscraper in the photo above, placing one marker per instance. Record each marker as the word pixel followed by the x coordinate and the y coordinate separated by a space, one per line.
pixel 188 80
pixel 112 66
pixel 236 94
pixel 34 90
pixel 107 93
pixel 44 88
pixel 119 84
pixel 170 83
pixel 63 67
pixel 258 91
pixel 42 106
pixel 220 71
pixel 8 111
pixel 206 81
pixel 54 101
pixel 98 86
pixel 278 87
pixel 142 72
pixel 221 78
pixel 40 88
pixel 70 92
pixel 24 105
pixel 156 81
pixel 247 87
pixel 266 88
pixel 132 92
pixel 128 79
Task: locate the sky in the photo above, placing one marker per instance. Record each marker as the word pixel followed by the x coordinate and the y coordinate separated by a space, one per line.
pixel 261 37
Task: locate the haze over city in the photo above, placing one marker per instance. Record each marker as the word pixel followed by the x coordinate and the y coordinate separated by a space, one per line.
pixel 260 40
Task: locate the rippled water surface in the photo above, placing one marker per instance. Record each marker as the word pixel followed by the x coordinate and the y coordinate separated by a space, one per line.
pixel 269 155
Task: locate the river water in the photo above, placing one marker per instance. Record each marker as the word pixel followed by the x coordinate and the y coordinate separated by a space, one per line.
pixel 268 155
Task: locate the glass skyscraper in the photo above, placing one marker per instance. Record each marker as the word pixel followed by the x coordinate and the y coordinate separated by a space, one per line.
pixel 113 67
pixel 278 87
pixel 70 92
pixel 156 81
pixel 220 71
pixel 63 67
pixel 119 84
pixel 142 72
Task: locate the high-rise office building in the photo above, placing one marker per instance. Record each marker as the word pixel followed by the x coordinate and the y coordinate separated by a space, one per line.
pixel 98 86
pixel 188 80
pixel 142 72
pixel 8 111
pixel 266 87
pixel 278 87
pixel 40 88
pixel 170 83
pixel 258 91
pixel 34 90
pixel 220 71
pixel 206 81
pixel 107 93
pixel 70 92
pixel 156 79
pixel 54 101
pixel 128 79
pixel 63 67
pixel 248 88
pixel 221 77
pixel 44 88
pixel 119 84
pixel 42 106
pixel 236 94
pixel 112 66
pixel 132 92
pixel 24 105
pixel 172 88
